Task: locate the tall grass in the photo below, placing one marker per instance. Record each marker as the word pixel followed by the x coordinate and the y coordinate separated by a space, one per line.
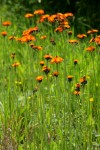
pixel 48 114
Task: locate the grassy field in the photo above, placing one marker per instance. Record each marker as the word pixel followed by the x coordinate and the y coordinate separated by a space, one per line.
pixel 49 84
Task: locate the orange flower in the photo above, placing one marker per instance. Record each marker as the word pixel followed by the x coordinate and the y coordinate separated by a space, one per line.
pixel 69 32
pixel 73 41
pixel 29 15
pixel 48 57
pixel 39 12
pixel 39 78
pixel 81 36
pixel 58 29
pixel 57 60
pixel 42 63
pixel 92 40
pixel 11 37
pixel 16 64
pixel 90 48
pixel 43 37
pixel 6 23
pixel 83 80
pixel 55 74
pixel 46 69
pixel 52 18
pixel 27 38
pixel 43 18
pixel 92 31
pixel 36 47
pixel 70 78
pixel 30 30
pixel 77 89
pixel 4 33
pixel 75 61
pixel 68 15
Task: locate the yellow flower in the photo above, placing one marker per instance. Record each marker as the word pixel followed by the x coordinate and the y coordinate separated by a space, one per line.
pixel 91 99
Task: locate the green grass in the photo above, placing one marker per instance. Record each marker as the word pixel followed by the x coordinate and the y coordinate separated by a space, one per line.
pixel 48 115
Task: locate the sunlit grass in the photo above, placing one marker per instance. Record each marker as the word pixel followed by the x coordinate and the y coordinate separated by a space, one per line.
pixel 53 104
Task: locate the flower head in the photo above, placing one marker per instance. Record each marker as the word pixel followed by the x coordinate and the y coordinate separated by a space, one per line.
pixel 6 23
pixel 29 15
pixel 55 74
pixel 4 33
pixel 90 48
pixel 70 78
pixel 77 89
pixel 48 57
pixel 81 36
pixel 39 78
pixel 56 60
pixel 39 12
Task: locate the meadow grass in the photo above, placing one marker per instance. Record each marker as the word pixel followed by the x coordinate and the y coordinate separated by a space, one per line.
pixel 57 111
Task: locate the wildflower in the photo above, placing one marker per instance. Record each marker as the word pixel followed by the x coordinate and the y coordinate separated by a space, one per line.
pixel 11 37
pixel 90 48
pixel 4 33
pixel 39 12
pixel 58 29
pixel 16 64
pixel 92 31
pixel 70 78
pixel 81 36
pixel 56 60
pixel 42 63
pixel 69 32
pixel 68 15
pixel 46 69
pixel 43 37
pixel 92 40
pixel 48 57
pixel 6 23
pixel 43 18
pixel 29 15
pixel 91 99
pixel 75 61
pixel 36 47
pixel 83 80
pixel 73 41
pixel 77 89
pixel 55 74
pixel 12 55
pixel 39 78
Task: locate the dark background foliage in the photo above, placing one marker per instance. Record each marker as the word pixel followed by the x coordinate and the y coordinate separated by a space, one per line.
pixel 87 12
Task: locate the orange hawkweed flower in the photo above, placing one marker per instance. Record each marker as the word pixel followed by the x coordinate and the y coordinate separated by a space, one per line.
pixel 77 89
pixel 43 37
pixel 4 33
pixel 39 78
pixel 56 60
pixel 11 37
pixel 48 57
pixel 73 41
pixel 75 61
pixel 29 15
pixel 42 63
pixel 43 18
pixel 83 80
pixel 58 29
pixel 68 15
pixel 81 36
pixel 36 47
pixel 92 31
pixel 46 69
pixel 90 48
pixel 39 12
pixel 55 74
pixel 16 64
pixel 69 32
pixel 70 78
pixel 6 23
